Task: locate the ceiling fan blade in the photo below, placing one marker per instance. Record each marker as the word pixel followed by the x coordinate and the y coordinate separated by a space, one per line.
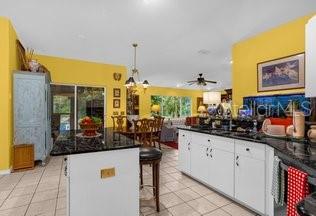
pixel 209 81
pixel 191 81
pixel 191 84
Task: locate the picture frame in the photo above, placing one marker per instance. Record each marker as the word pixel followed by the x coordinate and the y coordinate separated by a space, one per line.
pixel 116 92
pixel 282 73
pixel 116 103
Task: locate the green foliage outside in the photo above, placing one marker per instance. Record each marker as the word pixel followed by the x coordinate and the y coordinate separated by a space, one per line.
pixel 172 106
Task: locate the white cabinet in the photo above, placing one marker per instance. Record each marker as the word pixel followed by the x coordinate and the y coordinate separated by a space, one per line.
pixel 236 168
pixel 200 155
pixel 310 56
pixel 221 174
pixel 250 176
pixel 91 194
pixel 184 151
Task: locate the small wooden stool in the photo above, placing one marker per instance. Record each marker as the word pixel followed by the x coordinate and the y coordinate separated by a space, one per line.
pixel 23 157
pixel 151 156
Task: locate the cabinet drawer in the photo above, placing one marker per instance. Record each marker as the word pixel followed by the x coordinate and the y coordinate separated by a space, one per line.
pixel 184 133
pixel 200 138
pixel 222 143
pixel 250 149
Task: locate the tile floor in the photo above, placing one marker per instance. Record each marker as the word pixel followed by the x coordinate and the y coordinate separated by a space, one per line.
pixel 42 192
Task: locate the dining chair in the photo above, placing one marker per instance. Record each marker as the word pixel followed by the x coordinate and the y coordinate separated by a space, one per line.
pixel 118 122
pixel 156 135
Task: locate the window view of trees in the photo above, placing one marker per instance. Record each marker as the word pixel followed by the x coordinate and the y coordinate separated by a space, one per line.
pixel 173 106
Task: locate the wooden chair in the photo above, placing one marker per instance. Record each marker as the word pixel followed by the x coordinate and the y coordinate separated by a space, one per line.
pixel 148 154
pixel 156 135
pixel 119 122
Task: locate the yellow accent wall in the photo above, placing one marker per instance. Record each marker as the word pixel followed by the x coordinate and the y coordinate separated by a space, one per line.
pixel 70 71
pixel 284 40
pixel 8 63
pixel 145 98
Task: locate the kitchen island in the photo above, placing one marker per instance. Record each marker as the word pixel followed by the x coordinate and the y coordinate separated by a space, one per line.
pixel 102 173
pixel 240 165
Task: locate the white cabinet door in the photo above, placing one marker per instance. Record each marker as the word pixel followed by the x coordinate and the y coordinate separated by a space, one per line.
pixel 200 160
pixel 310 56
pixel 184 151
pixel 250 182
pixel 221 175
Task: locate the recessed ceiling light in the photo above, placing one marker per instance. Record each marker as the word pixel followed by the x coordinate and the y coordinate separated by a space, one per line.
pixel 231 62
pixel 204 52
pixel 81 36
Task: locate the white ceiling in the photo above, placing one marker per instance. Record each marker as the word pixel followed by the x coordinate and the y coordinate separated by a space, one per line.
pixel 177 38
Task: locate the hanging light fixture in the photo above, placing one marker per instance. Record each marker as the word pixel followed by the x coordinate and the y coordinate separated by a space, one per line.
pixel 130 82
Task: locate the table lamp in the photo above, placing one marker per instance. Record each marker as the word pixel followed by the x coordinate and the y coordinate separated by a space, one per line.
pixel 201 110
pixel 212 99
pixel 155 109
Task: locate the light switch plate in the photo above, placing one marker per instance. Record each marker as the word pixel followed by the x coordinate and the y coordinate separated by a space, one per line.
pixel 107 173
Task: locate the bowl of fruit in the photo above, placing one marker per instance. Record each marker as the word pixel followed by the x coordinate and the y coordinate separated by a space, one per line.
pixel 90 125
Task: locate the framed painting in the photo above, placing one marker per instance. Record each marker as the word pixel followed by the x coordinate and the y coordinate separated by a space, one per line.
pixel 116 92
pixel 280 74
pixel 116 103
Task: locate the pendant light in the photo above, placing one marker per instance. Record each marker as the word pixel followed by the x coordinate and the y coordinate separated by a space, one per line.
pixel 130 82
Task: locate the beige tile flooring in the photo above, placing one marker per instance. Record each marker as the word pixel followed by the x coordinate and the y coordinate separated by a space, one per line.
pixel 42 192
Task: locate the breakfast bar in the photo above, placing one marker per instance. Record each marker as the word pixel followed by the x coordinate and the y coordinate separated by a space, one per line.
pixel 102 173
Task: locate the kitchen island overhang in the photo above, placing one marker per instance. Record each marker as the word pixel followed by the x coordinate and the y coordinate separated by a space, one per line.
pixel 102 173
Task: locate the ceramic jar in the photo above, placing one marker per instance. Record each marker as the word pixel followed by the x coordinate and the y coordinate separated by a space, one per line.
pixel 312 133
pixel 298 124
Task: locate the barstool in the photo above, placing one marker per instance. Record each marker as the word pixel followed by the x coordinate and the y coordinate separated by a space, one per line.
pixel 151 156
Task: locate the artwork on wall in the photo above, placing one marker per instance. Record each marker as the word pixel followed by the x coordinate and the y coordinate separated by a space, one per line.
pixel 116 92
pixel 281 74
pixel 117 76
pixel 116 103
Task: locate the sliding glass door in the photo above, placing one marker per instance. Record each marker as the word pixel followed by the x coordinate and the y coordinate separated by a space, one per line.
pixel 70 103
pixel 90 102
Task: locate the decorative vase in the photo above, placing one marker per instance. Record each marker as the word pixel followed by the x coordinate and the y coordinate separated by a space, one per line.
pixel 34 65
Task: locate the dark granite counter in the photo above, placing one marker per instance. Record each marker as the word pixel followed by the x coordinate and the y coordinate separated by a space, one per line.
pixel 72 142
pixel 297 153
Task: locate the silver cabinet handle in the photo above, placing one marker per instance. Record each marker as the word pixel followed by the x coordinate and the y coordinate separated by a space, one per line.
pixel 237 160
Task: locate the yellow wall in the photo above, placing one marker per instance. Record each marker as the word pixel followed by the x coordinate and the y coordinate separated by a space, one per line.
pixel 145 98
pixel 69 71
pixel 8 63
pixel 285 40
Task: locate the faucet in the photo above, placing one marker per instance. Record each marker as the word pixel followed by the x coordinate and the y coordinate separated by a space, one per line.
pixel 255 123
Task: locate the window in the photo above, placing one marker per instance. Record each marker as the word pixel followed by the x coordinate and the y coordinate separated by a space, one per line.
pixel 173 106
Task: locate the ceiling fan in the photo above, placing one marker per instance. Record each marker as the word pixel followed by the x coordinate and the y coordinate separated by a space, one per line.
pixel 200 81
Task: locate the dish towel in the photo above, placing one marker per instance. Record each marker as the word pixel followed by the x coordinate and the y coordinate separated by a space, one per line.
pixel 278 182
pixel 298 189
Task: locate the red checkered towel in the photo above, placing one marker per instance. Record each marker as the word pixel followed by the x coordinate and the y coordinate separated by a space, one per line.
pixel 298 189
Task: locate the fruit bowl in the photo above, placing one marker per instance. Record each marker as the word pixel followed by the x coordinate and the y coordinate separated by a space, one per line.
pixel 90 129
pixel 89 126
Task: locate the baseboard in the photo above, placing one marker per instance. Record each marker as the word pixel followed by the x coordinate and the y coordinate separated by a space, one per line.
pixel 6 172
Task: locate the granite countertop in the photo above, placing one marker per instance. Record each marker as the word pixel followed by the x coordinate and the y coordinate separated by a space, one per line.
pixel 72 142
pixel 298 153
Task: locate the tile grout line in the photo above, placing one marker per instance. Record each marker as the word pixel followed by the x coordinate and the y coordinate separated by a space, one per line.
pixel 12 190
pixel 28 207
pixel 61 171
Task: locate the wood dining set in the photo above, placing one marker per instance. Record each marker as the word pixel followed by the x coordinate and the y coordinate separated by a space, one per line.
pixel 148 133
